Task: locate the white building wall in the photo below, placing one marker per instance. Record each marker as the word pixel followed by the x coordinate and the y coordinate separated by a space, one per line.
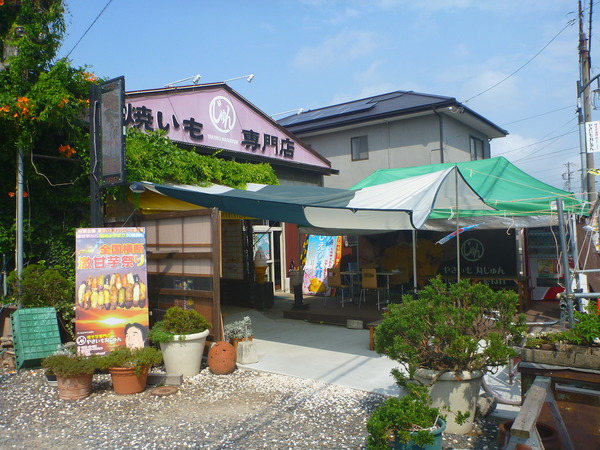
pixel 400 143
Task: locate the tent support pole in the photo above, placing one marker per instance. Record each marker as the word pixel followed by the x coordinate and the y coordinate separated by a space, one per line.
pixel 565 261
pixel 414 261
pixel 457 225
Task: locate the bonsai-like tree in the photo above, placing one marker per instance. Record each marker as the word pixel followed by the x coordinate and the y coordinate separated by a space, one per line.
pixel 452 327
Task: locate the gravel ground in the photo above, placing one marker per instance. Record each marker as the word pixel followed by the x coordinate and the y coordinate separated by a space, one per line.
pixel 243 410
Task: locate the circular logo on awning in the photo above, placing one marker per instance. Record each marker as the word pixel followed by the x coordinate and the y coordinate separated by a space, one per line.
pixel 472 250
pixel 222 114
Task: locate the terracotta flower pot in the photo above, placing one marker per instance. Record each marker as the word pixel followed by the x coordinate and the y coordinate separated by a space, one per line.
pixel 125 380
pixel 221 358
pixel 75 387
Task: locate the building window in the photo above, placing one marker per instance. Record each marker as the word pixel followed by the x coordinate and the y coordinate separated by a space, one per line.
pixel 476 149
pixel 360 148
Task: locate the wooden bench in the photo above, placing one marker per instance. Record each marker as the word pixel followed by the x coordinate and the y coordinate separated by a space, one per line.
pixel 524 430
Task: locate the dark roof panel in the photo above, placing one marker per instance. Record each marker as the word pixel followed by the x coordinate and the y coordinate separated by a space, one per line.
pixel 392 104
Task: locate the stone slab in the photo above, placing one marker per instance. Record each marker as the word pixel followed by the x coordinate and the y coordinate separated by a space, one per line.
pixel 161 378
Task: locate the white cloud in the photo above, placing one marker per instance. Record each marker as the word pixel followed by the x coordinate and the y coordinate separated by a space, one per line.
pixel 344 47
pixel 538 160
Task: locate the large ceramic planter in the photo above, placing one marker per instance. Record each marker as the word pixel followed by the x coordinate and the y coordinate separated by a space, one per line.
pixel 75 387
pixel 125 380
pixel 453 391
pixel 437 440
pixel 184 356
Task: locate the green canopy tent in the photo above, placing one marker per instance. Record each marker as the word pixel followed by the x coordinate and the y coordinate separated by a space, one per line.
pixel 490 193
pixel 517 199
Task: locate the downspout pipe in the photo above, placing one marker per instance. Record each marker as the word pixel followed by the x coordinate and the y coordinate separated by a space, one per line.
pixel 441 127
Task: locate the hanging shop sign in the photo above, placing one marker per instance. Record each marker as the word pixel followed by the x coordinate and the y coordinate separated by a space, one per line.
pixel 111 289
pixel 217 118
pixel 592 136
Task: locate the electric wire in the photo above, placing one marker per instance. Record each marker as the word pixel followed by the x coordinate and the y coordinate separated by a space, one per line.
pixel 569 23
pixel 538 115
pixel 89 28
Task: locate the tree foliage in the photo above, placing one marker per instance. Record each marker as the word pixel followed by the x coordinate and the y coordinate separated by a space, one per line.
pixel 452 327
pixel 43 105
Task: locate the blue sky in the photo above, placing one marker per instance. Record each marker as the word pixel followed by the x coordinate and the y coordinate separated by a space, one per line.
pixel 314 53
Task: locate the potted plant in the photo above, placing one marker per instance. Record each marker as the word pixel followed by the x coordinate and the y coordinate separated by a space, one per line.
pixel 237 331
pixel 129 368
pixel 181 335
pixel 451 334
pixel 577 347
pixel 73 372
pixel 410 422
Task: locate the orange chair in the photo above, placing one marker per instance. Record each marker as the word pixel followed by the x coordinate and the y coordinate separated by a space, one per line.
pixel 334 280
pixel 369 283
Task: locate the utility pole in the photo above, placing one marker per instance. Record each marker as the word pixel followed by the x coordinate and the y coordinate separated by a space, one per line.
pixel 567 176
pixel 588 184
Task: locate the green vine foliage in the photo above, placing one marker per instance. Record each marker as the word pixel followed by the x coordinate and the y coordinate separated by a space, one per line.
pixel 152 157
pixel 43 105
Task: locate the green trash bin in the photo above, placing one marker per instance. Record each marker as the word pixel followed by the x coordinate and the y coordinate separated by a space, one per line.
pixel 35 335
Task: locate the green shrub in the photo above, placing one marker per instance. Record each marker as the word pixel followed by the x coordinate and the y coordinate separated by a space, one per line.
pixel 125 357
pixel 178 321
pixel 410 417
pixel 452 327
pixel 43 286
pixel 585 331
pixel 65 363
pixel 586 328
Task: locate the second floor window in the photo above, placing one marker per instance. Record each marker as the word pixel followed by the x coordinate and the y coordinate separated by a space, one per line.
pixel 476 149
pixel 360 148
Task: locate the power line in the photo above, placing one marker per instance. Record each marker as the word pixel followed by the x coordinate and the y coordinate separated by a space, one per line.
pixel 89 28
pixel 538 157
pixel 538 115
pixel 552 139
pixel 569 23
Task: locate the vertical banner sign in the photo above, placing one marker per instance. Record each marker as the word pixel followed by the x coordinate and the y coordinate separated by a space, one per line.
pixel 592 136
pixel 322 253
pixel 111 289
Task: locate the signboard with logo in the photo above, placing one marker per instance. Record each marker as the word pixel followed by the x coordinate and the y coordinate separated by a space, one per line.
pixel 217 118
pixel 484 253
pixel 111 303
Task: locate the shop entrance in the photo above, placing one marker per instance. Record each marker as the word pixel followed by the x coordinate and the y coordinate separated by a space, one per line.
pixel 268 238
